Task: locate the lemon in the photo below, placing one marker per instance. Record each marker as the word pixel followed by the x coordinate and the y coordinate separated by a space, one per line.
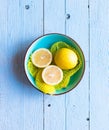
pixel 47 89
pixel 41 57
pixel 66 58
pixel 42 85
pixel 52 75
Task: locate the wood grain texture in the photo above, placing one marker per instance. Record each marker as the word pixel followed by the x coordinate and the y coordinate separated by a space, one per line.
pixel 21 106
pixel 99 64
pixel 54 21
pixel 3 93
pixel 77 101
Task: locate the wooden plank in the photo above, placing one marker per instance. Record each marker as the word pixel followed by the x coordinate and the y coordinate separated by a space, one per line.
pixel 3 40
pixel 54 21
pixel 54 16
pixel 77 101
pixel 99 62
pixel 33 27
pixel 21 105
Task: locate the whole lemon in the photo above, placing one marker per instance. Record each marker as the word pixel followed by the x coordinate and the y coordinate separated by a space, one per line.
pixel 66 58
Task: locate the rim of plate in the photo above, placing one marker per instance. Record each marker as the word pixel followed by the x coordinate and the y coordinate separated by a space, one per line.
pixel 74 43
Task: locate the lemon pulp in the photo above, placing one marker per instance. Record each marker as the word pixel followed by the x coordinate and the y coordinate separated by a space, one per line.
pixel 52 75
pixel 41 58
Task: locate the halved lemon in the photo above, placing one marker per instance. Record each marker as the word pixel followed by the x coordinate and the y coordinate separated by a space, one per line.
pixel 52 75
pixel 41 58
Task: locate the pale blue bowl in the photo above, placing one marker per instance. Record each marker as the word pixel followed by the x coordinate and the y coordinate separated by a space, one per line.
pixel 46 41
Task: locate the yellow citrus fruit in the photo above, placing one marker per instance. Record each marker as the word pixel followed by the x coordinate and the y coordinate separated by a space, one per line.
pixel 47 89
pixel 66 58
pixel 41 58
pixel 52 75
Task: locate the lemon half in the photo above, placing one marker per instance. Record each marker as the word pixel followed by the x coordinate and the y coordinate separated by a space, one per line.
pixel 52 75
pixel 41 58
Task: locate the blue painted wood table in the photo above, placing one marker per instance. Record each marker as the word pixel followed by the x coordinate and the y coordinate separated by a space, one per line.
pixel 22 107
